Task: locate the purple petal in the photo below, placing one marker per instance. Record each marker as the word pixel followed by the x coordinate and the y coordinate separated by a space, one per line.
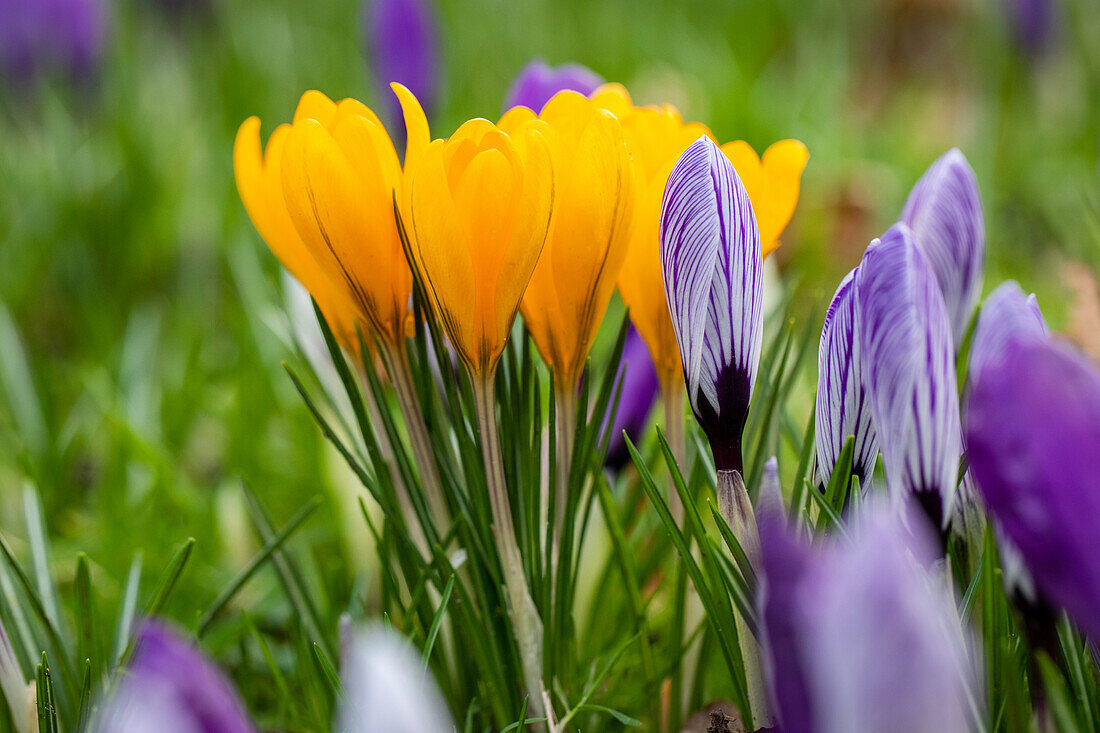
pixel 401 37
pixel 944 211
pixel 388 689
pixel 837 617
pixel 843 408
pixel 712 264
pixel 1033 434
pixel 909 371
pixel 1034 23
pixel 639 393
pixel 538 82
pixel 49 36
pixel 1006 315
pixel 173 687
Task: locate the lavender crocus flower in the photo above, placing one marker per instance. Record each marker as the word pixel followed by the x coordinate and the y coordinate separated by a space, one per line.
pixel 1033 436
pixel 538 82
pixel 172 687
pixel 1033 23
pixel 388 690
pixel 843 408
pixel 712 267
pixel 944 211
pixel 1006 315
pixel 401 37
pixel 837 618
pixel 638 394
pixel 909 371
pixel 50 36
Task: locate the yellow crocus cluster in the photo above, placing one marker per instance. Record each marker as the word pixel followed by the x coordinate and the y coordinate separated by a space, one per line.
pixel 657 136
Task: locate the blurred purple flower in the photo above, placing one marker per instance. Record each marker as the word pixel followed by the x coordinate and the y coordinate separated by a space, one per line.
pixel 639 393
pixel 402 40
pixel 1033 23
pixel 1033 434
pixel 944 211
pixel 1006 315
pixel 843 407
pixel 173 687
pixel 837 618
pixel 909 371
pixel 40 37
pixel 713 270
pixel 538 82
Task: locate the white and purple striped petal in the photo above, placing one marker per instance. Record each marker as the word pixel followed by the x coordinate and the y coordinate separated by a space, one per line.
pixel 712 266
pixel 908 366
pixel 944 210
pixel 843 408
pixel 1006 315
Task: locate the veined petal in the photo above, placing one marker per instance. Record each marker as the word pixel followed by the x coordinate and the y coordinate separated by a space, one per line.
pixel 712 266
pixel 908 369
pixel 843 407
pixel 1007 315
pixel 944 210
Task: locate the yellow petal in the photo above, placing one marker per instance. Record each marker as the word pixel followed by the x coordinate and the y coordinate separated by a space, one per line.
pixel 315 106
pixel 417 135
pixel 772 184
pixel 515 118
pixel 614 98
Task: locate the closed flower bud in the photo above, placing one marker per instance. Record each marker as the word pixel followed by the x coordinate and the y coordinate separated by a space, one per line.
pixel 1007 315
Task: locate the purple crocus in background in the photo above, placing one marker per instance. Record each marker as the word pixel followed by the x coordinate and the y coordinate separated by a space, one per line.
pixel 1006 315
pixel 1033 23
pixel 843 408
pixel 403 44
pixel 539 81
pixel 638 395
pixel 1033 435
pixel 836 619
pixel 40 37
pixel 944 212
pixel 172 687
pixel 908 365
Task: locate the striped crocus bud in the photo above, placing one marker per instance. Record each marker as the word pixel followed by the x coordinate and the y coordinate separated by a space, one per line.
pixel 711 263
pixel 1007 315
pixel 843 408
pixel 944 210
pixel 908 365
pixel 1033 439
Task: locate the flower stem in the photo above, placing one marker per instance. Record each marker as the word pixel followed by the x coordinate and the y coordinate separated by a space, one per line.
pixel 526 624
pixel 397 366
pixel 565 408
pixel 672 394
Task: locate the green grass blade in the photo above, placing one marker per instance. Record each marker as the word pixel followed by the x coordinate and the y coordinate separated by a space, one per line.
pixel 168 579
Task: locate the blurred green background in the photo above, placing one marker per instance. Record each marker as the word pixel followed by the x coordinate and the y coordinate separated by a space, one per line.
pixel 143 325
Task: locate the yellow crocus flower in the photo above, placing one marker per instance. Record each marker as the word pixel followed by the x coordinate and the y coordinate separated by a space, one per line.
pixel 259 181
pixel 594 196
pixel 657 136
pixel 340 176
pixel 480 206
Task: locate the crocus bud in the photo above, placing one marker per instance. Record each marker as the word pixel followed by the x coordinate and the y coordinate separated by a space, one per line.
pixel 50 36
pixel 1006 315
pixel 538 82
pixel 1033 436
pixel 637 397
pixel 908 366
pixel 944 211
pixel 843 407
pixel 171 681
pixel 388 689
pixel 835 620
pixel 401 37
pixel 711 262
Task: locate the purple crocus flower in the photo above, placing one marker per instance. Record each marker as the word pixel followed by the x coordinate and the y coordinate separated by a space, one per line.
pixel 1006 315
pixel 173 687
pixel 843 408
pixel 388 689
pixel 538 82
pixel 401 37
pixel 1033 435
pixel 1033 23
pixel 944 211
pixel 837 618
pixel 50 36
pixel 712 268
pixel 639 393
pixel 909 371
